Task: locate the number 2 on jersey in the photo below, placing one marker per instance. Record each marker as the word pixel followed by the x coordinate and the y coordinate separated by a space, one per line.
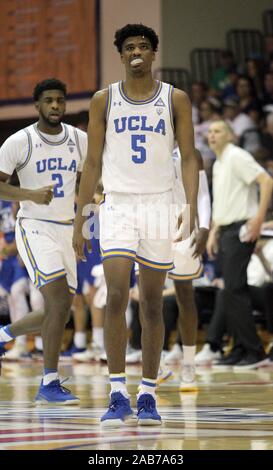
pixel 136 140
pixel 57 191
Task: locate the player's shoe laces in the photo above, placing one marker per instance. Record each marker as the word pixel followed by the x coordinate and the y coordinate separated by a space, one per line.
pixel 147 414
pixel 119 411
pixel 55 393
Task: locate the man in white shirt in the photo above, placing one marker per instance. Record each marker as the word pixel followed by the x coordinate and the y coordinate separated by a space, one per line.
pixel 235 204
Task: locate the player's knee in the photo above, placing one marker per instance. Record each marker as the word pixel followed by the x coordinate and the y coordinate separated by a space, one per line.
pixel 116 300
pixel 151 308
pixel 59 307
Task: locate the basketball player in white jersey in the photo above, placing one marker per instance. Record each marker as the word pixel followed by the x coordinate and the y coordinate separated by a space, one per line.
pixel 188 266
pixel 131 135
pixel 47 156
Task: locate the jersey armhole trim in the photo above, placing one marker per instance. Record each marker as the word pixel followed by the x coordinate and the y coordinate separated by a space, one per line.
pixel 170 102
pixel 20 167
pixel 108 103
pixel 78 143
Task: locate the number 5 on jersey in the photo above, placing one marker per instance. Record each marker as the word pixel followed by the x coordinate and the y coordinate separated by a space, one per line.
pixel 140 157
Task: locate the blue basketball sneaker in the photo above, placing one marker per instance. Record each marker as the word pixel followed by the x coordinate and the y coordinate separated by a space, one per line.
pixel 55 394
pixel 147 414
pixel 67 355
pixel 119 411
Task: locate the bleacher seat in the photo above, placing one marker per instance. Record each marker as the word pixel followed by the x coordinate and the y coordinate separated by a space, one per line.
pixel 178 77
pixel 245 43
pixel 203 63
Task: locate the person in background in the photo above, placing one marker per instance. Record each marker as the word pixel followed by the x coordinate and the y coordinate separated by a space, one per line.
pixel 237 217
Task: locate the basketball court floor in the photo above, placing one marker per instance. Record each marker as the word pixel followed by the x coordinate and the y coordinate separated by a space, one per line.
pixel 230 411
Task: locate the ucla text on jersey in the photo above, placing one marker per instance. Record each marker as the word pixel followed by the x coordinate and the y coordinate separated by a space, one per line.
pixel 139 140
pixel 138 123
pixel 55 164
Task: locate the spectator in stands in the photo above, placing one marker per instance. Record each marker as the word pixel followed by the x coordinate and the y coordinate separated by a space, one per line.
pixel 268 87
pixel 255 68
pixel 235 205
pixel 209 111
pixel 266 151
pixel 222 77
pixel 198 94
pixel 243 127
pixel 245 91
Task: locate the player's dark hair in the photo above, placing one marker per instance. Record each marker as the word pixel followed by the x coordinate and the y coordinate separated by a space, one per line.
pixel 48 84
pixel 135 30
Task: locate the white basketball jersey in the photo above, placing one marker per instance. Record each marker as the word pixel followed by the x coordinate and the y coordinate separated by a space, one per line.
pixel 42 160
pixel 137 156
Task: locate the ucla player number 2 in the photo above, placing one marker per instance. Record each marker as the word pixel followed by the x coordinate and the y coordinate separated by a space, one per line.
pixel 57 191
pixel 136 140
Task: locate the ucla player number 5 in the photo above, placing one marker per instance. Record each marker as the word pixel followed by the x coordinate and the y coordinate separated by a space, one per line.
pixel 136 140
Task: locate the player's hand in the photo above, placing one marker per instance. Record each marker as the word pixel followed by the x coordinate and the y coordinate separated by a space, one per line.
pixel 200 241
pixel 79 242
pixel 185 227
pixel 42 195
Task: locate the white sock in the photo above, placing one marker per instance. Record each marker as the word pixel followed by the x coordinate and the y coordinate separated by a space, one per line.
pixel 188 354
pixel 118 384
pixel 97 336
pixel 47 378
pixel 5 335
pixel 38 343
pixel 80 339
pixel 147 386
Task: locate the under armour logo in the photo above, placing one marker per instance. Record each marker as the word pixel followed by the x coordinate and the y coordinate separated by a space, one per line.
pixel 35 231
pixel 117 103
pixel 38 145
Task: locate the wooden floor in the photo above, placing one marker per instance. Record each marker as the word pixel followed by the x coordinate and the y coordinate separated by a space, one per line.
pixel 230 411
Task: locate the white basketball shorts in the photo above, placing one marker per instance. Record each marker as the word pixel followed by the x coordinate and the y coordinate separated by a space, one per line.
pixel 140 227
pixel 46 250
